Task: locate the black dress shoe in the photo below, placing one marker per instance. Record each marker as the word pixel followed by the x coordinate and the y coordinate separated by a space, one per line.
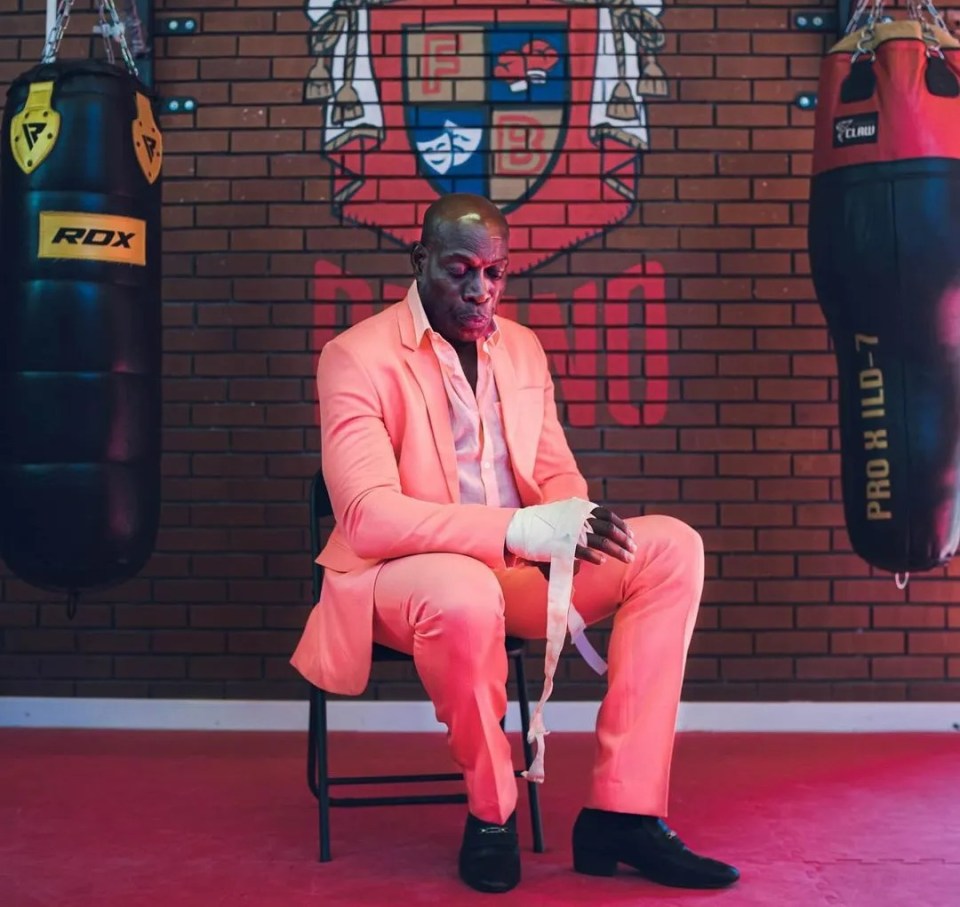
pixel 602 839
pixel 490 855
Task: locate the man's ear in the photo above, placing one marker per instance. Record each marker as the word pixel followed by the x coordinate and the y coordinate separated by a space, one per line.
pixel 418 258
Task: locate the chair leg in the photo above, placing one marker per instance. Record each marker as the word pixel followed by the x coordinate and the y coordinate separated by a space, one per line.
pixel 533 792
pixel 318 705
pixel 312 745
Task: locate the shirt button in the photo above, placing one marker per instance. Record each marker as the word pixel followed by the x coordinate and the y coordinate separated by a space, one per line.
pixel 486 465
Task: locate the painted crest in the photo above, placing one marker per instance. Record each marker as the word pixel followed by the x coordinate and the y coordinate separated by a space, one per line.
pixel 539 107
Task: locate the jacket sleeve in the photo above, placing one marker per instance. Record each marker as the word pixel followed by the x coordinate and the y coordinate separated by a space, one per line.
pixel 555 470
pixel 360 469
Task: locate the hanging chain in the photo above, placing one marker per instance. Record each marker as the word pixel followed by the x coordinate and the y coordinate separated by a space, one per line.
pixel 868 13
pixel 105 32
pixel 119 33
pixel 52 47
pixel 864 18
pixel 924 11
pixel 865 15
pixel 927 15
pixel 113 29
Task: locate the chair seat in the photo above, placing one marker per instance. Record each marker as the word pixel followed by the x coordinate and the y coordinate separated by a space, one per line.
pixel 514 645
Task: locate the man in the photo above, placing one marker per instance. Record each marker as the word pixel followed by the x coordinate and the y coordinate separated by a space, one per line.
pixel 444 458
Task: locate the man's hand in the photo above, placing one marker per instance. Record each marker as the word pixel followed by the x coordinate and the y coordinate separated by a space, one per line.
pixel 610 535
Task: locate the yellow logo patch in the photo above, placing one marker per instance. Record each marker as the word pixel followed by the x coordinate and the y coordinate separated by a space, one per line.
pixel 95 237
pixel 34 131
pixel 147 140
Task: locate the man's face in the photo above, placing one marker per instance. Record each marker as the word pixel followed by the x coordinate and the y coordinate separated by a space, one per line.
pixel 461 275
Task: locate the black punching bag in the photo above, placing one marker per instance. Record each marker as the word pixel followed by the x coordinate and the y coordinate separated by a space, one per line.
pixel 79 326
pixel 884 241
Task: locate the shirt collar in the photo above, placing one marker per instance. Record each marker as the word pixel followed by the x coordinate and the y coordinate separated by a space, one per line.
pixel 421 324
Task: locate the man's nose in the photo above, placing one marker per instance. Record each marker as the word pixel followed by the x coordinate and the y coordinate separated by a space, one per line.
pixel 478 289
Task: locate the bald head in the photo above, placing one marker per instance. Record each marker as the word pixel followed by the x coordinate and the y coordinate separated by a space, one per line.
pixel 460 265
pixel 461 208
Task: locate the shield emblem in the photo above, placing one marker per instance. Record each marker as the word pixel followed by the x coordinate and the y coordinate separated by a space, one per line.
pixel 486 108
pixel 538 106
pixel 147 140
pixel 34 130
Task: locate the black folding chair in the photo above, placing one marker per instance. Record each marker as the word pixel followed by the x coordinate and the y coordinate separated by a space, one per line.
pixel 318 776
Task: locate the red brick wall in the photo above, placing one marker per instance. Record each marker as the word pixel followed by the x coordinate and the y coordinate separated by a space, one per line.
pixel 745 449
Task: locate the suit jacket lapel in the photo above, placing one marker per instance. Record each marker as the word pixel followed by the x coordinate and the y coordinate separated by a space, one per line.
pixel 513 416
pixel 426 371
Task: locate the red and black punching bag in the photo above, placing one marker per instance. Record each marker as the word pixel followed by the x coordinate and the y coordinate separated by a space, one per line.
pixel 79 325
pixel 884 240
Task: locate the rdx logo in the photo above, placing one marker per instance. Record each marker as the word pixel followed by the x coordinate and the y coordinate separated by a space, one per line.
pixel 115 239
pixel 93 237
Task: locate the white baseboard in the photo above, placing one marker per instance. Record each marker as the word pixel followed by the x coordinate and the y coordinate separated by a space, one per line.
pixel 357 715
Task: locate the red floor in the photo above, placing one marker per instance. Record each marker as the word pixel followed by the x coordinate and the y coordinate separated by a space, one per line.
pixel 113 819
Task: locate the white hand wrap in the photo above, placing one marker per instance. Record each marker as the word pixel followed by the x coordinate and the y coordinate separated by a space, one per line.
pixel 551 532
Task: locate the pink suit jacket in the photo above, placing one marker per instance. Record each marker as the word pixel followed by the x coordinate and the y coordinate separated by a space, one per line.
pixel 390 465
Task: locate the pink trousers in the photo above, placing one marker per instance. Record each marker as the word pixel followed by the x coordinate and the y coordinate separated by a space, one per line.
pixel 451 613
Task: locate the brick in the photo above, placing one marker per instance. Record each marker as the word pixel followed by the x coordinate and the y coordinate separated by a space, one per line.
pixel 924 590
pixel 705 439
pixel 754 464
pixel 718 489
pixel 753 263
pixel 719 339
pixel 794 540
pixel 908 667
pixel 792 489
pixel 781 189
pixel 756 514
pixel 262 642
pixel 758 565
pixel 752 213
pixel 790 642
pixel 118 641
pixel 819 514
pixel 921 643
pixel 864 642
pixel 714 238
pixel 932 691
pixel 725 90
pixel 642 489
pixel 754 364
pixel 718 389
pixel 726 540
pixel 224 667
pixel 25 641
pixel 708 643
pixel 753 20
pixel 754 115
pixel 753 165
pixel 231 22
pixel 75 666
pixel 791 438
pixel 832 668
pixel 757 617
pixel 911 616
pixel 756 668
pixel 830 565
pixel 754 414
